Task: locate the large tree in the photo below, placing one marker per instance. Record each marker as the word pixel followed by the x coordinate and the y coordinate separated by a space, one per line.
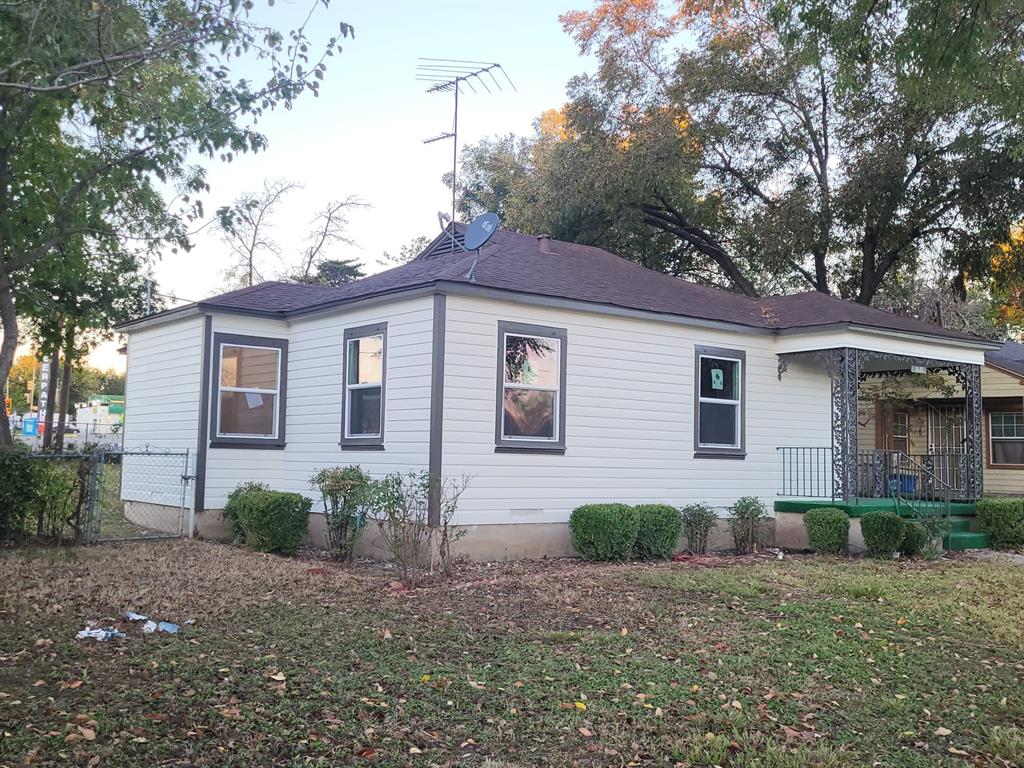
pixel 96 95
pixel 779 147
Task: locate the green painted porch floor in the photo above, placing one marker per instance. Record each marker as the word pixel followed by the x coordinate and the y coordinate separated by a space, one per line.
pixel 859 507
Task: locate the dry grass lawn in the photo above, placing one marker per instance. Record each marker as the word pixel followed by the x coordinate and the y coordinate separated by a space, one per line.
pixel 808 661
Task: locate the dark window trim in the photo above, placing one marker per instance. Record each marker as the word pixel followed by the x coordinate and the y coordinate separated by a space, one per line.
pixel 704 452
pixel 991 462
pixel 375 443
pixel 272 443
pixel 507 445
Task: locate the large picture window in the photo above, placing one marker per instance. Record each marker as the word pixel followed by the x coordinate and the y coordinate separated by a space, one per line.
pixel 1006 438
pixel 365 358
pixel 531 388
pixel 249 402
pixel 718 411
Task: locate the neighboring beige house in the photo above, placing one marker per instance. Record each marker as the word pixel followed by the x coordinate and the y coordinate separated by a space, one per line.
pixel 929 425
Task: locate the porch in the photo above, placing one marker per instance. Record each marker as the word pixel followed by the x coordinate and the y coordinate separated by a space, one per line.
pixel 948 470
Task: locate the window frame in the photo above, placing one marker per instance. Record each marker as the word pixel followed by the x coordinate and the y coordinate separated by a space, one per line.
pixel 992 439
pixel 738 451
pixel 235 440
pixel 556 445
pixel 363 442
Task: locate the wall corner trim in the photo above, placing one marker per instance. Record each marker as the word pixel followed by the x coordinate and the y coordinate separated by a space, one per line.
pixel 199 495
pixel 435 456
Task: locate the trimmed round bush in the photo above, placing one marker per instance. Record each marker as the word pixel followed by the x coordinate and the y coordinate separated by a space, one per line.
pixel 1003 521
pixel 883 533
pixel 828 530
pixel 270 521
pixel 914 539
pixel 699 520
pixel 604 531
pixel 659 526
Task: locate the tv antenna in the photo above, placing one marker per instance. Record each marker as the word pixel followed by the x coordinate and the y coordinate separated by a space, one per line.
pixel 450 76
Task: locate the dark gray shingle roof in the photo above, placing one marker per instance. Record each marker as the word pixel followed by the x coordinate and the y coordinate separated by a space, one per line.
pixel 1009 357
pixel 514 262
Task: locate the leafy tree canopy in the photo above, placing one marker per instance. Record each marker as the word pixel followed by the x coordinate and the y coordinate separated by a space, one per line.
pixel 100 101
pixel 793 146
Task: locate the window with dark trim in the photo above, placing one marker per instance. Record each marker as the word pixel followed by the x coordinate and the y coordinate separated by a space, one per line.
pixel 365 371
pixel 1006 438
pixel 530 408
pixel 250 380
pixel 718 408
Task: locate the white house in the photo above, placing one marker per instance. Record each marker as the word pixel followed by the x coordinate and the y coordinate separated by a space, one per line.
pixel 553 374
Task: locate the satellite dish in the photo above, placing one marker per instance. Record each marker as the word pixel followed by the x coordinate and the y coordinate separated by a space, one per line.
pixel 480 230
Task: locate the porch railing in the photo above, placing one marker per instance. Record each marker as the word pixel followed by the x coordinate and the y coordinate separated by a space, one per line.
pixel 807 472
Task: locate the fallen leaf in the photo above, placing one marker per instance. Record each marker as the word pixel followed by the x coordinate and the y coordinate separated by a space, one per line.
pixel 955 751
pixel 87 733
pixel 942 732
pixel 387 634
pixel 580 706
pixel 279 676
pixel 624 631
pixel 475 684
pixel 585 732
pixel 415 751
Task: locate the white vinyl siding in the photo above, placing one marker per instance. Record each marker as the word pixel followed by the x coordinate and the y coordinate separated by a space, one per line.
pixel 164 369
pixel 629 397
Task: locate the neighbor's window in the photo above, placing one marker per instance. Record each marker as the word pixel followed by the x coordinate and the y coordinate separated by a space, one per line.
pixel 250 407
pixel 719 411
pixel 1006 433
pixel 364 386
pixel 532 387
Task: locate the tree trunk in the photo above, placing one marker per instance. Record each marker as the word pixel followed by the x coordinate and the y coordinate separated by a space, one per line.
pixel 9 346
pixel 51 398
pixel 65 385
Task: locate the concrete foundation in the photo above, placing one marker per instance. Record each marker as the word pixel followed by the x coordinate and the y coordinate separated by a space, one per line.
pixel 481 542
pixel 156 517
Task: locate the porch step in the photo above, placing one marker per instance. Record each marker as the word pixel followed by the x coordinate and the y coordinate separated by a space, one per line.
pixel 958 541
pixel 960 526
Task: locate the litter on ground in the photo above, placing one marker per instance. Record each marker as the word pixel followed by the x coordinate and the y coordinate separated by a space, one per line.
pixel 100 634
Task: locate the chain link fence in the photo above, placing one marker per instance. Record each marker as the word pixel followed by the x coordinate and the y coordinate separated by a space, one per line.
pixel 139 494
pixel 106 495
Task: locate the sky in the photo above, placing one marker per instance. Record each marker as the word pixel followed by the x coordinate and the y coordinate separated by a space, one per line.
pixel 364 135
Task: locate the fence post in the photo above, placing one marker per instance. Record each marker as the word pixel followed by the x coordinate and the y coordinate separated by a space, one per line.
pixel 94 504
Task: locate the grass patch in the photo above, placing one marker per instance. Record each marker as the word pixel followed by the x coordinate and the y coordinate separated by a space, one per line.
pixel 294 662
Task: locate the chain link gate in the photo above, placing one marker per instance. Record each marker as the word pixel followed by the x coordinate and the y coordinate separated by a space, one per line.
pixel 138 494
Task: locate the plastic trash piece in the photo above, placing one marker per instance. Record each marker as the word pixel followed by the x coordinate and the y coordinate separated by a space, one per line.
pixel 149 627
pixel 100 634
pixel 133 616
pixel 169 627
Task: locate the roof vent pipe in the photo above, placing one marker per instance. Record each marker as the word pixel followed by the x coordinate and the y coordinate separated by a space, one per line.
pixel 544 244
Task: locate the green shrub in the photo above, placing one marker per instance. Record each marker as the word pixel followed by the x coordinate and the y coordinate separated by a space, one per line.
pixel 658 531
pixel 915 537
pixel 603 531
pixel 18 491
pixel 270 521
pixel 231 508
pixel 828 530
pixel 345 492
pixel 699 520
pixel 745 523
pixel 883 533
pixel 1003 520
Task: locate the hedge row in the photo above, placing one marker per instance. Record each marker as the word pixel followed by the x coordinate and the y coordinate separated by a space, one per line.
pixel 651 531
pixel 885 533
pixel 1003 521
pixel 619 531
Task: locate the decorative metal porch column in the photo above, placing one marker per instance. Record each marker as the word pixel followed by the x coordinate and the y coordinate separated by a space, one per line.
pixel 844 369
pixel 968 376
